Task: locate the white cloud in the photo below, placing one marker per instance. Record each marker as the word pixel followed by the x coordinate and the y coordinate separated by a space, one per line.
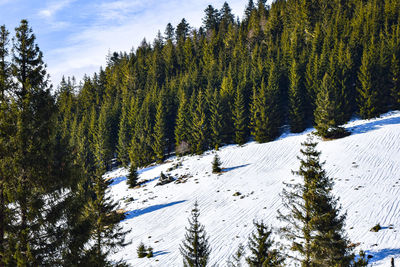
pixel 50 10
pixel 86 50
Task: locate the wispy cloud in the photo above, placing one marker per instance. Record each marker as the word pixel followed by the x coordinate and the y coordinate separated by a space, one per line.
pixel 120 25
pixel 53 7
pixel 119 10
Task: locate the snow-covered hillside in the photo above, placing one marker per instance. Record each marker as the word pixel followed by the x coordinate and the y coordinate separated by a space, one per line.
pixel 364 165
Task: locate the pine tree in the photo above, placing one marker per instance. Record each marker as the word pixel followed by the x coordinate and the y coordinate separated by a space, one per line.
pixel 159 144
pixel 199 126
pixel 314 224
pixel 195 248
pixel 182 123
pixel 106 234
pixel 260 245
pixel 296 101
pixel 216 120
pixel 395 81
pixel 227 93
pixel 32 153
pixel 133 176
pixel 237 257
pixel 368 96
pixel 328 109
pixel 182 30
pixel 169 32
pixel 6 131
pixel 265 109
pixel 211 18
pixel 124 136
pixel 239 117
pixel 5 80
pixel 216 164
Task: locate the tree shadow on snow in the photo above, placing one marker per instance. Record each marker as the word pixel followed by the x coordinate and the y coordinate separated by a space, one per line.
pixel 373 125
pixel 234 168
pixel 382 254
pixel 120 179
pixel 117 180
pixel 136 213
pixel 159 253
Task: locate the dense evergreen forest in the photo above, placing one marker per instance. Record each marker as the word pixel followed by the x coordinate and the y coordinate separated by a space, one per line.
pixel 298 63
pixel 294 64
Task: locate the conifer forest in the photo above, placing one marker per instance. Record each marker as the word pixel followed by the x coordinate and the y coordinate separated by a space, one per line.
pixel 282 67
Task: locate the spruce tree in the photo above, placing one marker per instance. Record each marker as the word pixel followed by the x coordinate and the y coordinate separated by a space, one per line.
pixel 5 70
pixel 216 164
pixel 327 112
pixel 239 117
pixel 296 101
pixel 260 245
pixel 6 131
pixel 216 120
pixel 32 153
pixel 106 234
pixel 195 248
pixel 133 176
pixel 159 144
pixel 124 136
pixel 182 124
pixel 211 18
pixel 314 225
pixel 395 81
pixel 237 257
pixel 199 126
pixel 368 96
pixel 40 163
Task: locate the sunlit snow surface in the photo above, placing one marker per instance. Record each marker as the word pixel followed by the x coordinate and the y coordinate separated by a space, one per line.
pixel 365 167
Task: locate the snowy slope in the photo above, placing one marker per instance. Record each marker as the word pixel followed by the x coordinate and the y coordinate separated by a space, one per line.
pixel 364 165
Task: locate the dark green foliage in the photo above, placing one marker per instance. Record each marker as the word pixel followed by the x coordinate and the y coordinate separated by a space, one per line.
pixel 205 78
pixel 141 250
pixel 237 257
pixel 159 130
pixel 368 94
pixel 314 224
pixel 328 109
pixel 182 124
pixel 133 176
pixel 376 228
pixel 395 81
pixel 362 260
pixel 296 100
pixel 195 248
pixel 265 109
pixel 216 121
pixel 199 128
pixel 308 61
pixel 149 252
pixel 211 18
pixel 260 245
pixel 239 117
pixel 216 164
pixel 124 136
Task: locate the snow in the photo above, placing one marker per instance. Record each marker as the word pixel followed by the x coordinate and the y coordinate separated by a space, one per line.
pixel 365 167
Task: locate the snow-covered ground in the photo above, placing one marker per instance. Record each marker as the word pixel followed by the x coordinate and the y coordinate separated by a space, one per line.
pixel 365 167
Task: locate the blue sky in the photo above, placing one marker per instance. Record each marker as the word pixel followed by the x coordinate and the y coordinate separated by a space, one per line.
pixel 75 35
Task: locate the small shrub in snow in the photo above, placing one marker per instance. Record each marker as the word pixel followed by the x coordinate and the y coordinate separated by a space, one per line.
pixel 149 252
pixel 376 228
pixel 141 250
pixel 133 176
pixel 216 165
